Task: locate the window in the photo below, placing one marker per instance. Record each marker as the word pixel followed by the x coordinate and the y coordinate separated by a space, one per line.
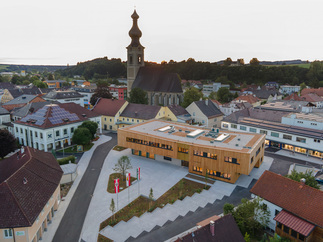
pixel 276 212
pixel 65 131
pixel 300 122
pixel 225 125
pixel 286 229
pixel 294 233
pixel 218 174
pixel 279 225
pixel 167 158
pixel 243 128
pixel 215 120
pixel 127 119
pixel 137 120
pixel 41 135
pixel 110 119
pixel 17 129
pixel 253 130
pixel 231 160
pixel 317 140
pixel 205 154
pixel 182 150
pixel 7 233
pixel 274 134
pixel 257 152
pixel 289 137
pixel 132 120
pixel 193 113
pixel 36 134
pixel 315 124
pixel 57 133
pixel 299 139
pixel 149 143
pixel 72 129
pixel 263 131
pixel 105 119
pixel 251 160
pixel 301 237
pixel 20 130
pixel 234 126
pixel 197 169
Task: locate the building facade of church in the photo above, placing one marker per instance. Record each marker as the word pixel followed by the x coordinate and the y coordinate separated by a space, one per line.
pixel 163 88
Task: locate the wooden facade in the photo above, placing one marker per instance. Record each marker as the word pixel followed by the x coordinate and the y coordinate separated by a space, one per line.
pixel 315 236
pixel 220 163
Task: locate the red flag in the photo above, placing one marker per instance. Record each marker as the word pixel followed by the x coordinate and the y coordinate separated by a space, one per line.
pixel 128 182
pixel 116 185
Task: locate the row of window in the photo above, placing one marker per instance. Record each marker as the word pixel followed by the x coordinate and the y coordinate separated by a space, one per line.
pixel 182 150
pixel 57 133
pixel 273 134
pixel 149 143
pixel 291 232
pixel 218 174
pixel 231 160
pixel 205 154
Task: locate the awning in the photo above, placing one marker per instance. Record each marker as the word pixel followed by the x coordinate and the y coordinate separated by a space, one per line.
pixel 299 225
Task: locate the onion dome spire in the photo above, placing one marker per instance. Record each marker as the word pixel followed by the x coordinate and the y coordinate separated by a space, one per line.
pixel 135 32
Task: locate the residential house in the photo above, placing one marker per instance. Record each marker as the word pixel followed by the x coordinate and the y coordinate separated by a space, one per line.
pixel 110 109
pixel 222 229
pixel 288 89
pixel 233 106
pixel 65 97
pixel 296 210
pixel 267 95
pixel 251 99
pixel 4 118
pixel 21 101
pixel 52 126
pixel 213 87
pixel 119 92
pixel 29 108
pixel 176 113
pixel 318 91
pixel 87 92
pixel 272 84
pixel 294 97
pixel 30 195
pixel 9 94
pixel 205 113
pixel 313 98
pixel 55 83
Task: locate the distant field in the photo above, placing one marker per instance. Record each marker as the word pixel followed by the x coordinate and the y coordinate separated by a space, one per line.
pixel 3 67
pixel 306 65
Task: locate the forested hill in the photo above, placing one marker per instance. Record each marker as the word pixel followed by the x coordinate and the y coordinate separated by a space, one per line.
pixel 29 68
pixel 97 68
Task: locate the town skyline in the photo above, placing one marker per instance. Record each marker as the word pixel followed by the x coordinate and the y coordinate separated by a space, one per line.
pixel 49 34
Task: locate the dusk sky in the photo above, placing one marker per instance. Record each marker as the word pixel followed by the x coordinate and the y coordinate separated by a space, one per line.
pixel 70 31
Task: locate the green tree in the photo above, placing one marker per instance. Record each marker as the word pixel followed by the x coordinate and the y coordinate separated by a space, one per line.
pixel 7 143
pixel 227 61
pixel 91 126
pixel 102 91
pixel 228 208
pixel 247 237
pixel 122 166
pixel 277 238
pixel 39 84
pixel 254 62
pixel 113 208
pixel 82 136
pixel 25 82
pixel 138 95
pixel 303 86
pixel 224 95
pixel 240 61
pixel 212 96
pixel 50 76
pixel 308 176
pixel 191 95
pixel 235 95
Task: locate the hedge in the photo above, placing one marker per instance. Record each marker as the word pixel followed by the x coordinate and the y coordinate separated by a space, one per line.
pixel 66 160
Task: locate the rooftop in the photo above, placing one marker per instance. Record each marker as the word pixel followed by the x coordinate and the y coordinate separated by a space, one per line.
pixel 63 94
pixel 108 107
pixel 301 200
pixel 21 99
pixel 140 111
pixel 230 140
pixel 208 108
pixel 317 117
pixel 26 185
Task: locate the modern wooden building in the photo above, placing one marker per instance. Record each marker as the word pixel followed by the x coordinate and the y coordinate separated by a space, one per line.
pixel 222 155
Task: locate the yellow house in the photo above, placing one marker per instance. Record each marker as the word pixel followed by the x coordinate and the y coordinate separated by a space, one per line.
pixel 110 109
pixel 30 194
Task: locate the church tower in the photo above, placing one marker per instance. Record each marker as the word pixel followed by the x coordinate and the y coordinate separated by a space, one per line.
pixel 135 52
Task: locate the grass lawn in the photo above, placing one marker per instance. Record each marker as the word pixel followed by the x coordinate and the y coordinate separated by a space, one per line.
pixel 119 148
pixel 141 205
pixel 123 186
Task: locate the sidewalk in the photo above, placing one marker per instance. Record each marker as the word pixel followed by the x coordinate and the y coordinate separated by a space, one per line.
pixel 157 175
pixel 83 163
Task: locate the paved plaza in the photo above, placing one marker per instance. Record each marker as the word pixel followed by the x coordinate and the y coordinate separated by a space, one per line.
pixel 157 175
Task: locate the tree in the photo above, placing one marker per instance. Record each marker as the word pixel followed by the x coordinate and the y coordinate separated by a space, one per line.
pixel 251 216
pixel 122 166
pixel 308 176
pixel 212 96
pixel 303 86
pixel 7 143
pixel 138 95
pixel 224 95
pixel 247 237
pixel 112 208
pixel 191 95
pixel 227 61
pixel 39 84
pixel 91 126
pixel 82 136
pixel 151 197
pixel 50 76
pixel 254 62
pixel 102 91
pixel 240 62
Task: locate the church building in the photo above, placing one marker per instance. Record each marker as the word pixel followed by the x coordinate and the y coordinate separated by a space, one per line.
pixel 163 88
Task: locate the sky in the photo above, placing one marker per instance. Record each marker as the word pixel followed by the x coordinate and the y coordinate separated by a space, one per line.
pixel 61 32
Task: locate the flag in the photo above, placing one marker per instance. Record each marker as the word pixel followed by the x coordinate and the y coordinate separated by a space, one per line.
pixel 116 185
pixel 128 182
pixel 138 173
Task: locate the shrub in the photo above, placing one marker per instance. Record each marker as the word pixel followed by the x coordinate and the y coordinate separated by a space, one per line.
pixel 66 160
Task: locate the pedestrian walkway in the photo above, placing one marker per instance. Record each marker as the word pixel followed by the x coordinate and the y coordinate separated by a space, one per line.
pixel 146 222
pixel 82 165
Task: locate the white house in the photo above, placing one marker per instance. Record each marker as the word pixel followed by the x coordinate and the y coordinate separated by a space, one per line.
pixel 65 97
pixel 53 125
pixel 4 118
pixel 287 89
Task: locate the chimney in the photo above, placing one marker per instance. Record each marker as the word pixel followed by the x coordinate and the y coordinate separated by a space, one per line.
pixel 22 149
pixel 212 227
pixel 206 102
pixel 303 180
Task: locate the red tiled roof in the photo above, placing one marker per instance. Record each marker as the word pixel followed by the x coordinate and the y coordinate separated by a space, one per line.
pixel 301 200
pixel 312 97
pixel 318 91
pixel 247 98
pixel 26 185
pixel 108 107
pixel 299 225
pixel 294 96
